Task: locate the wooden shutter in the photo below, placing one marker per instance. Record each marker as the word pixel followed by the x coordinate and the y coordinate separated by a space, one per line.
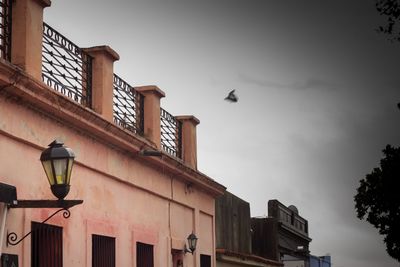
pixel 205 260
pixel 46 245
pixel 103 251
pixel 144 255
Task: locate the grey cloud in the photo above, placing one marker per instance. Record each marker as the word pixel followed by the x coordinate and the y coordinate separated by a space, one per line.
pixel 308 84
pixel 317 84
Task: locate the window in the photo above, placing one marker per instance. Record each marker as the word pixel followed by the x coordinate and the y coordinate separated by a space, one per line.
pixel 205 260
pixel 103 251
pixel 144 255
pixel 46 245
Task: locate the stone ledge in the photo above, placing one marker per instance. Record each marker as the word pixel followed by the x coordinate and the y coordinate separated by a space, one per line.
pixel 192 118
pixel 150 89
pixel 102 49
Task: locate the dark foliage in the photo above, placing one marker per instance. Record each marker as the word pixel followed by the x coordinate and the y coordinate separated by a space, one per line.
pixel 378 199
pixel 390 9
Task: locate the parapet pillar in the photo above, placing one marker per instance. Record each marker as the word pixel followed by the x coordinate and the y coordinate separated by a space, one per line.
pixel 27 35
pixel 151 113
pixel 102 79
pixel 189 140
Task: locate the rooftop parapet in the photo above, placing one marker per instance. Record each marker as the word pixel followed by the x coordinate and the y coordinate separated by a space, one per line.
pixel 288 216
pixel 86 76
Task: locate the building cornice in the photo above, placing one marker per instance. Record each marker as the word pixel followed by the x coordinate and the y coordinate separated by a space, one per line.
pixel 14 82
pixel 294 232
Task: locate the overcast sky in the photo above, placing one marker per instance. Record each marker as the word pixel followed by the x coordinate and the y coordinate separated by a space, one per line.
pixel 317 91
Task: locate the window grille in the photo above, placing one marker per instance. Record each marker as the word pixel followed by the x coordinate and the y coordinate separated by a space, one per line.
pixel 171 134
pixel 66 67
pixel 46 245
pixel 103 251
pixel 128 106
pixel 5 29
pixel 144 255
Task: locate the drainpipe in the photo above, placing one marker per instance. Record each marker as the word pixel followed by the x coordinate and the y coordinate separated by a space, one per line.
pixel 2 226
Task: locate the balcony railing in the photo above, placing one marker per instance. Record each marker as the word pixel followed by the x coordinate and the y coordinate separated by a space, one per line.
pixel 66 67
pixel 5 29
pixel 128 106
pixel 171 134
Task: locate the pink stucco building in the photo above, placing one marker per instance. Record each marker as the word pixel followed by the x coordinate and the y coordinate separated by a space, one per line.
pixel 138 210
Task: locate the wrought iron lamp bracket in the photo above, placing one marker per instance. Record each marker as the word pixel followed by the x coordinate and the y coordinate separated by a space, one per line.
pixel 64 206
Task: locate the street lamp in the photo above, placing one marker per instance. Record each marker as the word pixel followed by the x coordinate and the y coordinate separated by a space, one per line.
pixel 192 242
pixel 57 162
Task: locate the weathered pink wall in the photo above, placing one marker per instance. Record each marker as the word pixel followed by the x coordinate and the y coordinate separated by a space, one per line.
pixel 124 196
pixel 158 201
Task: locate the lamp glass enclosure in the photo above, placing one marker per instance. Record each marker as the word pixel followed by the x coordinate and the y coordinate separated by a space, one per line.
pixel 58 171
pixel 57 162
pixel 48 168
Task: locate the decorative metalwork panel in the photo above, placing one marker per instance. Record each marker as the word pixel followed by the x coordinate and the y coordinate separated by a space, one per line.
pixel 128 106
pixel 5 29
pixel 171 134
pixel 66 67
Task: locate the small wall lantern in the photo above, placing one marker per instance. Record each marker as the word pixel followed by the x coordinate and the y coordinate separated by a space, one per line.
pixel 192 242
pixel 57 162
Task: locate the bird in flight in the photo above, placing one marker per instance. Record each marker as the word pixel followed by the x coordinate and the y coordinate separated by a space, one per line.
pixel 232 97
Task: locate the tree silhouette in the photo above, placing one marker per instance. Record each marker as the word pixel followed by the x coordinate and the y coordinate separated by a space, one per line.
pixel 390 9
pixel 378 199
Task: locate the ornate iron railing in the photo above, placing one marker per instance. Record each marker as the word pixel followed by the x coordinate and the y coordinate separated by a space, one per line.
pixel 128 106
pixel 5 29
pixel 171 134
pixel 66 67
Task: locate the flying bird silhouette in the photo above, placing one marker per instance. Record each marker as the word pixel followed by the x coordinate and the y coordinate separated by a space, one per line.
pixel 232 97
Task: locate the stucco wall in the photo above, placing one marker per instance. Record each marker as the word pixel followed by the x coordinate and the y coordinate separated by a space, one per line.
pixel 125 196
